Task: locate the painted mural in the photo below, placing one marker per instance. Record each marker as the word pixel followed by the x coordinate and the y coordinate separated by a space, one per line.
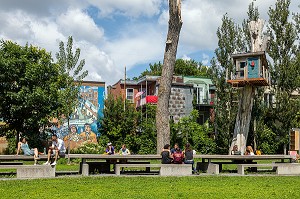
pixel 84 121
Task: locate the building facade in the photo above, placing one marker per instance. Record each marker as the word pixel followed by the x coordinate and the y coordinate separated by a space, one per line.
pixel 185 91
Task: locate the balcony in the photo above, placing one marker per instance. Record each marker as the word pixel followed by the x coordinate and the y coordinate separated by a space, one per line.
pixel 149 99
pixel 240 78
pixel 205 100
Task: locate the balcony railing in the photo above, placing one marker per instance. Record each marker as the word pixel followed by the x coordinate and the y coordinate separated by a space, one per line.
pixel 205 101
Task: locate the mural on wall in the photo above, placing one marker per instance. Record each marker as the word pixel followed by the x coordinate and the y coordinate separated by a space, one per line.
pixel 84 121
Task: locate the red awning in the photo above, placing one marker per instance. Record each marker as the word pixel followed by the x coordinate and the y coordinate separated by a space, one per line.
pixel 151 99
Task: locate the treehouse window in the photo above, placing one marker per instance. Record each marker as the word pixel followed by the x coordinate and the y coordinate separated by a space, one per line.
pixel 241 68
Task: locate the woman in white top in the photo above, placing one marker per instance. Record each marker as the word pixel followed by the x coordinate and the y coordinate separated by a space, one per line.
pixel 124 150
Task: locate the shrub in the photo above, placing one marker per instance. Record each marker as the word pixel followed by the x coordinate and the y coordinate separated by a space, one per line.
pixel 89 148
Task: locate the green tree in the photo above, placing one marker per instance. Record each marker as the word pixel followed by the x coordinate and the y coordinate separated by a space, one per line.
pixel 182 67
pixel 70 76
pixel 285 71
pixel 225 108
pixel 155 70
pixel 117 124
pixel 188 130
pixel 28 89
pixel 134 128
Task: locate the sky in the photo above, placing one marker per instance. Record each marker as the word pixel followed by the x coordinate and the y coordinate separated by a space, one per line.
pixel 113 34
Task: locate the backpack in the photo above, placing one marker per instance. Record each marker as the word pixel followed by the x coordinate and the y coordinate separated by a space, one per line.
pixel 177 157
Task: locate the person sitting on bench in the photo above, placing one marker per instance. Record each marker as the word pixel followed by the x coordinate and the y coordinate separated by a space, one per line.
pixel 23 145
pixel 57 149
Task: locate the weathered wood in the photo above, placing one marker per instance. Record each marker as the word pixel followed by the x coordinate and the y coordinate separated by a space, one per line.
pixel 258 40
pixel 243 118
pixel 164 90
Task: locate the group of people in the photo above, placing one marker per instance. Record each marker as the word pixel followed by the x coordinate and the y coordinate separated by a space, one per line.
pixel 56 149
pixel 177 156
pixel 110 150
pixel 249 151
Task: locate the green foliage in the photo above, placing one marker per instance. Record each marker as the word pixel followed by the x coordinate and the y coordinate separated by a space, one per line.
pixel 188 130
pixel 230 37
pixel 11 148
pixel 135 129
pixel 267 141
pixel 284 50
pixel 29 87
pixel 117 123
pixel 70 77
pixel 182 67
pixel 89 148
pixel 146 142
pixel 285 72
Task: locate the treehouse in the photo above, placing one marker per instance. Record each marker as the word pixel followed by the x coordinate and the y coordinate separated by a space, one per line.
pixel 250 68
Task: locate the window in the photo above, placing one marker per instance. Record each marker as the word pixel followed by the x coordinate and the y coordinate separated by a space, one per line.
pixel 199 95
pixel 129 94
pixel 241 69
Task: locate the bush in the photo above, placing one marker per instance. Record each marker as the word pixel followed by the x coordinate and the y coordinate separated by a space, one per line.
pixel 11 148
pixel 89 148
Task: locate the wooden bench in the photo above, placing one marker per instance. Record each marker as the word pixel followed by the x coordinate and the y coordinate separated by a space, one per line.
pixel 165 169
pixel 32 171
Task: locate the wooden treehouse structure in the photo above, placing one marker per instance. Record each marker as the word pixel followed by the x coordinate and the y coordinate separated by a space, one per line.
pixel 250 71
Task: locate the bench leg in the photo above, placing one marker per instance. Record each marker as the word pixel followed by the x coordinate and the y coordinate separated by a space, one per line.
pixel 213 168
pixel 240 169
pixel 117 170
pixel 85 169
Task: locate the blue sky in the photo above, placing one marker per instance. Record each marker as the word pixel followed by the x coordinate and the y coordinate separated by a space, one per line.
pixel 113 34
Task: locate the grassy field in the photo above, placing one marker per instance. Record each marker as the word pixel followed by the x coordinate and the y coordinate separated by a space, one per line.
pixel 154 187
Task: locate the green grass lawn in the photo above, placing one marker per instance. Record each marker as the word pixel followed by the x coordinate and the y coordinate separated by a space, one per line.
pixel 154 187
pixel 198 186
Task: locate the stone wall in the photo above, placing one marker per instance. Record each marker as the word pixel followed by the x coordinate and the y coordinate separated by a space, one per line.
pixel 180 103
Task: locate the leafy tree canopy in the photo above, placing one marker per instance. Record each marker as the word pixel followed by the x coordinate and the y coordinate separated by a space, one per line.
pixel 29 85
pixel 182 67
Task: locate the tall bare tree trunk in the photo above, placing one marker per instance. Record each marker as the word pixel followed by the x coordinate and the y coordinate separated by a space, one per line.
pixel 243 118
pixel 162 111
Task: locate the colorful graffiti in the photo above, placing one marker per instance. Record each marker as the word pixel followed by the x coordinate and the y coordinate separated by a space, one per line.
pixel 83 123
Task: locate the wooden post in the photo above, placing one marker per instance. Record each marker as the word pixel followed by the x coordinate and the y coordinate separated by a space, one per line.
pixel 125 89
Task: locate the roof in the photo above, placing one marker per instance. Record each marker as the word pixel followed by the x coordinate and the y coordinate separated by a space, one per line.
pixel 261 54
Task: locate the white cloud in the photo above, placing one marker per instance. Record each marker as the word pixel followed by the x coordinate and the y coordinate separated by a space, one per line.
pixel 205 59
pixel 140 41
pixel 131 8
pixel 99 64
pixel 139 45
pixel 185 57
pixel 80 25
